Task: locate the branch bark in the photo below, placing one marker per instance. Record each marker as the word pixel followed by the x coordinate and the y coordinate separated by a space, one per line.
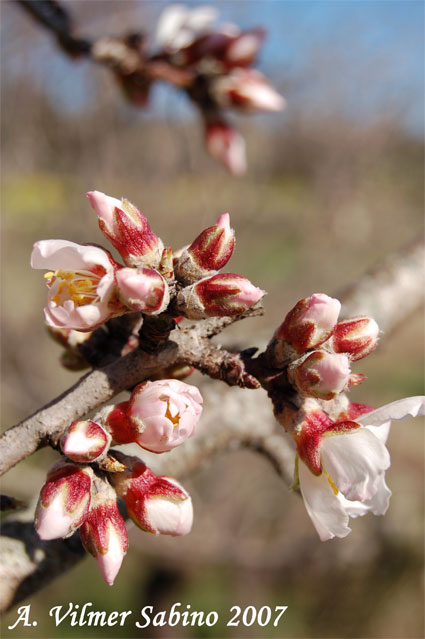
pixel 187 345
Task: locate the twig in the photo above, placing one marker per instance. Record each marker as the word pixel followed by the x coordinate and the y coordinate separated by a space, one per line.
pixel 94 389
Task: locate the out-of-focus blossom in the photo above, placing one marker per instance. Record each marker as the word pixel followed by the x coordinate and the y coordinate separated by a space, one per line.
pixel 179 26
pixel 159 505
pixel 84 441
pixel 322 375
pixel 127 229
pixel 103 532
pixel 227 146
pixel 159 416
pixel 356 336
pixel 247 90
pixel 143 290
pixel 64 500
pixel 208 253
pixel 222 295
pixel 341 468
pixel 81 284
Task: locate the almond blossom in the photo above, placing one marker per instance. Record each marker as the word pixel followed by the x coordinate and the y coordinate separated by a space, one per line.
pixel 341 466
pixel 81 284
pixel 159 416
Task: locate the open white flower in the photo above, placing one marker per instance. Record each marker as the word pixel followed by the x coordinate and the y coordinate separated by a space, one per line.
pixel 81 284
pixel 342 467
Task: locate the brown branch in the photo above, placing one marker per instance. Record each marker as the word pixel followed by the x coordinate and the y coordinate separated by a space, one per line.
pixel 47 425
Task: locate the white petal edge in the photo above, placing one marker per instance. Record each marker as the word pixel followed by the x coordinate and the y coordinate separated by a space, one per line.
pixel 323 506
pixel 400 409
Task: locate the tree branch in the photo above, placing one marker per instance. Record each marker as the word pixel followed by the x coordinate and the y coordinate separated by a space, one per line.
pixel 186 345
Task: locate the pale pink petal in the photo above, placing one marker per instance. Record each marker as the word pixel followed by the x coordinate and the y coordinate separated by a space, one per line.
pixel 104 206
pixel 110 562
pixel 67 256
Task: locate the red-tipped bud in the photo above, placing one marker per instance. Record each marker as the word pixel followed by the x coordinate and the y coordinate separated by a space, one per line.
pixel 227 146
pixel 222 295
pixel 103 533
pixel 143 290
pixel 118 424
pixel 208 253
pixel 85 441
pixel 322 375
pixel 127 229
pixel 159 505
pixel 64 501
pixel 357 337
pixel 310 322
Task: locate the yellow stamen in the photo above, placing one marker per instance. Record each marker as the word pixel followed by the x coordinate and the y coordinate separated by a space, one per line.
pixel 334 488
pixel 77 287
pixel 174 420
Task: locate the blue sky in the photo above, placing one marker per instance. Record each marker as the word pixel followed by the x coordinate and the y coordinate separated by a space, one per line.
pixel 360 56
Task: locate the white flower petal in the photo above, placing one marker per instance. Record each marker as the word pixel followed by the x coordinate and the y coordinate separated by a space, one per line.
pixel 355 461
pixel 381 432
pixel 67 256
pixel 323 507
pixel 381 500
pixel 400 409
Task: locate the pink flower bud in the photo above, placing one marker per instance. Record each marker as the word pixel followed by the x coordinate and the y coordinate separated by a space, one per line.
pixel 357 337
pixel 143 290
pixel 159 505
pixel 222 295
pixel 127 229
pixel 208 253
pixel 246 89
pixel 64 501
pixel 159 416
pixel 321 374
pixel 227 146
pixel 310 322
pixel 84 441
pixel 103 533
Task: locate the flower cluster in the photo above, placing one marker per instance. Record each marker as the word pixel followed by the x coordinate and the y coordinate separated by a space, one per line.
pixel 159 416
pixel 87 287
pixel 211 62
pixel 341 456
pixel 219 58
pixel 317 349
